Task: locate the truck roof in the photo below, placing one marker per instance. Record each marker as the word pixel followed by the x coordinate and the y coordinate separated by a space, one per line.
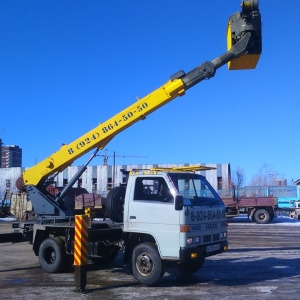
pixel 187 169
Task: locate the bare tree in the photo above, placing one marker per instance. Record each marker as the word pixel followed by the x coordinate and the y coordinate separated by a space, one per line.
pixel 266 176
pixel 238 178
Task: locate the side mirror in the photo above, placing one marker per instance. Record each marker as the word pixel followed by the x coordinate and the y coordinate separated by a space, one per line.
pixel 178 202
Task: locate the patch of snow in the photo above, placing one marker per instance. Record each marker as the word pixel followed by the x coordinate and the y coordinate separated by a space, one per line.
pixel 280 219
pixel 8 219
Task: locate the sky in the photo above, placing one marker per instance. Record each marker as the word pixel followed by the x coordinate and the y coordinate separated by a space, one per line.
pixel 67 66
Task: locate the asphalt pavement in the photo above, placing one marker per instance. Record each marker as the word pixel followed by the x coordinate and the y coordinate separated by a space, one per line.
pixel 263 262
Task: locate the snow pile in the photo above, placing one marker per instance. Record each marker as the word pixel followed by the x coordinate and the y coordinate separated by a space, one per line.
pixel 8 219
pixel 279 220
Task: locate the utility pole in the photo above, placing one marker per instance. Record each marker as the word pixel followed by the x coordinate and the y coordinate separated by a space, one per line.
pixel 1 147
pixel 114 170
pixel 105 159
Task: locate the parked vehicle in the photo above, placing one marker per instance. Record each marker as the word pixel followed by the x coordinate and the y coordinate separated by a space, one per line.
pixel 159 218
pixel 5 206
pixel 261 209
pixel 295 211
pixel 153 231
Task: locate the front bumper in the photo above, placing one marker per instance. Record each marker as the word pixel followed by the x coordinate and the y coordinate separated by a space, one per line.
pixel 194 253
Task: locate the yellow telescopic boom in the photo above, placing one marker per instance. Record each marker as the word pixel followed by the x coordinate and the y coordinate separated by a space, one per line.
pixel 103 133
pixel 245 35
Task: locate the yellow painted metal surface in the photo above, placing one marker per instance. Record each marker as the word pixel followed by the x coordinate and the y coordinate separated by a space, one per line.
pixel 101 135
pixel 170 169
pixel 245 61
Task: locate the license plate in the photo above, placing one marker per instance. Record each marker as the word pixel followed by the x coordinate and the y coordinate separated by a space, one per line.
pixel 212 248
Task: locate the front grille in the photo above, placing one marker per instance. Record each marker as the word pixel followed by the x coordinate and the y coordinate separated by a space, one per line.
pixel 216 237
pixel 207 238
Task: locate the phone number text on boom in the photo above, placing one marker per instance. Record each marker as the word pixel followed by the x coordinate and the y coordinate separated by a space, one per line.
pixel 124 118
pixel 106 129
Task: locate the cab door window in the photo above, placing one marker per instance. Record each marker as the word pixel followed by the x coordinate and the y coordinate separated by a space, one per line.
pixel 152 189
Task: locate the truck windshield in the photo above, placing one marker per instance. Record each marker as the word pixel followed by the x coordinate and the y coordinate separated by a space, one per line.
pixel 195 189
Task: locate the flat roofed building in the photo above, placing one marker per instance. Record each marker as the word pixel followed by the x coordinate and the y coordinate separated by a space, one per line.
pixel 100 179
pixel 1 152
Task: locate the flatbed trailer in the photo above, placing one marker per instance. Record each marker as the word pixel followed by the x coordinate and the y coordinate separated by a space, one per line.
pixel 261 209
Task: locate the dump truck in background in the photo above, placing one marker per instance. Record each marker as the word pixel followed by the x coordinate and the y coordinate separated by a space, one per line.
pixel 260 209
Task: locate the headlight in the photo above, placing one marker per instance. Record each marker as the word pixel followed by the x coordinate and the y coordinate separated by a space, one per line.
pixel 223 235
pixel 189 241
pixel 197 239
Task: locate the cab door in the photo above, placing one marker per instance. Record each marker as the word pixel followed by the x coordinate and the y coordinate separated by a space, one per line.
pixel 150 212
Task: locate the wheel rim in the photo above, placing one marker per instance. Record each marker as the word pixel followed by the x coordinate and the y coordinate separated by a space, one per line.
pixel 262 216
pixel 144 264
pixel 50 255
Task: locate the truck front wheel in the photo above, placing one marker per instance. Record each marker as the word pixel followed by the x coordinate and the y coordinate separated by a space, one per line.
pixel 52 255
pixel 261 216
pixel 147 266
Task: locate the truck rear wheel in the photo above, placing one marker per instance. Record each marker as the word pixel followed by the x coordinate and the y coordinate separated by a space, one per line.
pixel 261 216
pixel 114 204
pixel 147 266
pixel 52 255
pixel 191 266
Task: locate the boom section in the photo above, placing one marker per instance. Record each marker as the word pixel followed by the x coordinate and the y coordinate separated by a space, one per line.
pixel 248 41
pixel 100 136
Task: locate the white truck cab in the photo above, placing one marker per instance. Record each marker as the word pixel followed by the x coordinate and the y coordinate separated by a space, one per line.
pixel 176 217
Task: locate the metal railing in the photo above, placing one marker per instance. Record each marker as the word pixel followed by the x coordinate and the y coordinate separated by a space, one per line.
pixel 260 191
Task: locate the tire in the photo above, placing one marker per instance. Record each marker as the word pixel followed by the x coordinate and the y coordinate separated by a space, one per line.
pixel 261 216
pixel 52 255
pixel 191 266
pixel 147 266
pixel 114 204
